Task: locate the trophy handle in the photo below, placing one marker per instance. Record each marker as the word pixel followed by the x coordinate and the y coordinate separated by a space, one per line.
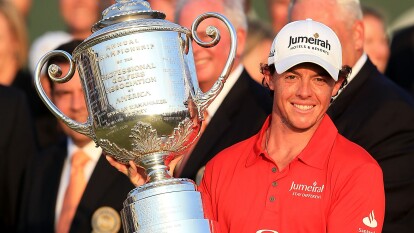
pixel 55 72
pixel 203 100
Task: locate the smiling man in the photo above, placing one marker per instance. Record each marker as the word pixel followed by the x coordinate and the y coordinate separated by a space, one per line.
pixel 298 174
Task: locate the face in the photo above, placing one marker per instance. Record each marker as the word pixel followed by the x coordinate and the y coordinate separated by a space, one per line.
pixel 209 61
pixel 376 42
pixel 301 96
pixel 351 34
pixel 69 98
pixel 166 6
pixel 23 6
pixel 278 10
pixel 80 16
pixel 258 55
pixel 7 49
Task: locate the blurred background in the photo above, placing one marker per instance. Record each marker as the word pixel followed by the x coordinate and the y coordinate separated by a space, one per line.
pixel 44 15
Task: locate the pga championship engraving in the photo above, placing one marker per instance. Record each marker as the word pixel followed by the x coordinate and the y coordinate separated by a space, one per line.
pixel 144 104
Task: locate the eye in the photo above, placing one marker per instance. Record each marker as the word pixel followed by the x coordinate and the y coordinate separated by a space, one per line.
pixel 290 77
pixel 320 80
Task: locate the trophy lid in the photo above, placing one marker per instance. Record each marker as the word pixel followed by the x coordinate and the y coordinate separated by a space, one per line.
pixel 125 10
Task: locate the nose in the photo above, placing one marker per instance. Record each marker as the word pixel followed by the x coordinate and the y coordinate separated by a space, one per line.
pixel 78 101
pixel 304 89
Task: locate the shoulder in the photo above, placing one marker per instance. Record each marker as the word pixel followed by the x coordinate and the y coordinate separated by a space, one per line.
pixel 381 86
pixel 230 156
pixel 351 156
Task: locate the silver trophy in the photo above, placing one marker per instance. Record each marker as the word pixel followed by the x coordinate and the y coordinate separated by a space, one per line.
pixel 138 76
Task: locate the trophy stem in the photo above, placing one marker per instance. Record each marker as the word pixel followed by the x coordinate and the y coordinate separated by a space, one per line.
pixel 155 167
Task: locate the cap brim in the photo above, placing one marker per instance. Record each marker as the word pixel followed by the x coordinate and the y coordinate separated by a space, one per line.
pixel 287 63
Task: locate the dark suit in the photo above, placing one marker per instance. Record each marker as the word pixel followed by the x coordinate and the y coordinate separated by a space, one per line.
pixel 401 61
pixel 375 113
pixel 106 187
pixel 240 115
pixel 17 146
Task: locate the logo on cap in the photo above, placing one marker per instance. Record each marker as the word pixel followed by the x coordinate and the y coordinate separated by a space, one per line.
pixel 301 41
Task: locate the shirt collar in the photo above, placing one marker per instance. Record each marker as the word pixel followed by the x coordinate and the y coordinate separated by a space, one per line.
pixel 90 149
pixel 355 69
pixel 258 150
pixel 231 80
pixel 315 153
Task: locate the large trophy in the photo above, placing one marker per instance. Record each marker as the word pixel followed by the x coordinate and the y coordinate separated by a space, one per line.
pixel 138 76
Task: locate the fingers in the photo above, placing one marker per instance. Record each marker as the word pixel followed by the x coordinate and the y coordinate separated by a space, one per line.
pixel 119 166
pixel 136 174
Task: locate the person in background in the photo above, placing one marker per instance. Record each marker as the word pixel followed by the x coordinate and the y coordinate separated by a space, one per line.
pixel 79 17
pixel 70 187
pixel 371 111
pixel 17 147
pixel 13 47
pixel 242 101
pixel 278 13
pixel 259 40
pixel 376 41
pixel 166 6
pixel 298 174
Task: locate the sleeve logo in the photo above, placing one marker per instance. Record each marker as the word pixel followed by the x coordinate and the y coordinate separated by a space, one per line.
pixel 370 220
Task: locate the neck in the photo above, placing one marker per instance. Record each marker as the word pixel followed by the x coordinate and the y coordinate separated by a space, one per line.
pixel 283 145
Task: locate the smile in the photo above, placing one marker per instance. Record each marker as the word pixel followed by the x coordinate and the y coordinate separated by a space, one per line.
pixel 303 107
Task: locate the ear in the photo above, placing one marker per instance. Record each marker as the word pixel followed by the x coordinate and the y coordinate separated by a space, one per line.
pixel 337 86
pixel 358 35
pixel 241 41
pixel 269 80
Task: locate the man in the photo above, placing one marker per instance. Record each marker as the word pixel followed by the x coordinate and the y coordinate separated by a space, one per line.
pixel 376 41
pixel 371 111
pixel 242 106
pixel 298 174
pixel 54 203
pixel 17 146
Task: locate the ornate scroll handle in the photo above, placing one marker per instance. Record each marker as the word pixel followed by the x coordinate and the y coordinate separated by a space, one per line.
pixel 204 99
pixel 55 72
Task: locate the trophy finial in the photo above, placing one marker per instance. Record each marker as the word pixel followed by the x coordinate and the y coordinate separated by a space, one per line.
pixel 125 10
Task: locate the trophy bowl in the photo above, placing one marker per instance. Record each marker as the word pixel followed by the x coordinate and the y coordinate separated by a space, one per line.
pixel 144 104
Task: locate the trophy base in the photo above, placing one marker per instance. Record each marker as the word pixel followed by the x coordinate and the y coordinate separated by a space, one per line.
pixel 183 226
pixel 171 205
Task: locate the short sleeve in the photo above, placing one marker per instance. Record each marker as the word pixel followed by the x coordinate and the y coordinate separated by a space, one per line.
pixel 358 203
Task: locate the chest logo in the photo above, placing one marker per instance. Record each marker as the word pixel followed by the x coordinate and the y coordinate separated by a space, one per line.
pixel 313 190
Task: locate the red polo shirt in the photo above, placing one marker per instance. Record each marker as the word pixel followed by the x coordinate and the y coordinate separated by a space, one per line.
pixel 333 185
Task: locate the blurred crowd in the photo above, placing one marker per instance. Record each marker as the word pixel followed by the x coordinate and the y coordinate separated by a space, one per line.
pixel 36 149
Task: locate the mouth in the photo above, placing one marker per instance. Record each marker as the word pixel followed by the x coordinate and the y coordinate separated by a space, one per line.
pixel 201 61
pixel 303 107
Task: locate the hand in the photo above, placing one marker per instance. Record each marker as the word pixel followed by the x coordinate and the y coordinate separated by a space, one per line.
pixel 136 174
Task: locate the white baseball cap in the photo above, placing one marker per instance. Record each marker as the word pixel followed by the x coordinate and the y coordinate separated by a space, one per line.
pixel 306 41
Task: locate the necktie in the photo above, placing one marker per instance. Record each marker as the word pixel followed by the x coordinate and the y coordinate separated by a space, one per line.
pixel 179 168
pixel 74 191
